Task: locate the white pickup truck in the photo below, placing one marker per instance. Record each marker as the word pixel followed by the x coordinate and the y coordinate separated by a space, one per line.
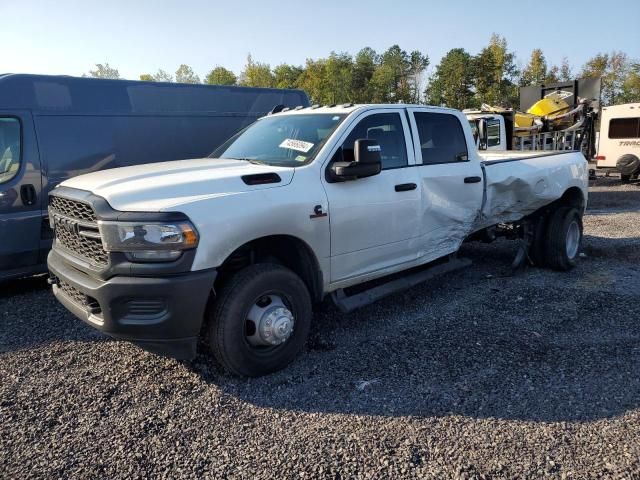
pixel 302 204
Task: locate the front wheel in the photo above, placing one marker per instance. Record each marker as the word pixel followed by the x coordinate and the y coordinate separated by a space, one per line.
pixel 564 238
pixel 260 320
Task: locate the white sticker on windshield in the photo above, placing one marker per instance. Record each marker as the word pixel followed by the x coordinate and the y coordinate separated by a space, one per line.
pixel 299 145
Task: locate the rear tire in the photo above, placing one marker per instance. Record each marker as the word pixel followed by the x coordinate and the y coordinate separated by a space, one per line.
pixel 563 239
pixel 625 178
pixel 232 334
pixel 537 249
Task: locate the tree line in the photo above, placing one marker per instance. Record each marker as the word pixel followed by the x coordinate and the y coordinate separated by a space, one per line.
pixel 459 80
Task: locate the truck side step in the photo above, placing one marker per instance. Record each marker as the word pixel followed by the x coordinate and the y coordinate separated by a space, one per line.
pixel 348 303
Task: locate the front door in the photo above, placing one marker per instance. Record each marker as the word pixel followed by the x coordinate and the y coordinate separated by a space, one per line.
pixel 373 219
pixel 20 193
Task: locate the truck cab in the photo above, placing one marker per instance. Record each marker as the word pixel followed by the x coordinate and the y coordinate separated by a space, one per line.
pixel 497 138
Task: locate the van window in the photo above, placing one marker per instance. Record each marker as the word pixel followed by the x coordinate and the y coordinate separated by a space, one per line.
pixel 624 128
pixel 9 148
pixel 441 138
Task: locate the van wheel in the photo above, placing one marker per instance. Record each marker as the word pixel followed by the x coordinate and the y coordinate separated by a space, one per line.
pixel 260 320
pixel 564 238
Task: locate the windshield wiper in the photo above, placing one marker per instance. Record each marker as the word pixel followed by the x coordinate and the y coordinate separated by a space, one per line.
pixel 244 159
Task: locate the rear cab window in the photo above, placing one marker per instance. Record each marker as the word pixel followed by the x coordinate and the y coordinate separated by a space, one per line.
pixel 10 148
pixel 493 132
pixel 441 138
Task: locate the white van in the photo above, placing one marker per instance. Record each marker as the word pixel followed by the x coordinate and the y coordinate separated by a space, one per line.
pixel 619 144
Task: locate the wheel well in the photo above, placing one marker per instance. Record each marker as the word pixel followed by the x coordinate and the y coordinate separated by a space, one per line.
pixel 285 250
pixel 573 197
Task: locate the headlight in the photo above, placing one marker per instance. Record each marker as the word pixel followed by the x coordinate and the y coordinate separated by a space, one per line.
pixel 148 242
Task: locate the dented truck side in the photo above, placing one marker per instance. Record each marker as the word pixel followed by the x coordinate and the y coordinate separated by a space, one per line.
pixel 303 204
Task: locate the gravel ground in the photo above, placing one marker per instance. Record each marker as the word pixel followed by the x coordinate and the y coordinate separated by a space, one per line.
pixel 477 375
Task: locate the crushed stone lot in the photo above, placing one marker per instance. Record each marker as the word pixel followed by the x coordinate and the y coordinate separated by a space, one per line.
pixel 478 374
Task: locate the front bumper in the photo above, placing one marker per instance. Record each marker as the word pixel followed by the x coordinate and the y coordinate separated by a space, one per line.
pixel 162 314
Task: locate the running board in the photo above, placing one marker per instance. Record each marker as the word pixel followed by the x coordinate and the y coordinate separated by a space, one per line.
pixel 350 303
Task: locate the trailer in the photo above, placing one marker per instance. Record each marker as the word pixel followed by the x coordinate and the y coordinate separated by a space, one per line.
pixel 619 142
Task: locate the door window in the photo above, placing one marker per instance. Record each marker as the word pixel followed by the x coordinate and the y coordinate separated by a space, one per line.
pixel 441 138
pixel 386 129
pixel 9 148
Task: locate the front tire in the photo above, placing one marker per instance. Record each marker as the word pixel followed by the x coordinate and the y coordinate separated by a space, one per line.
pixel 564 238
pixel 260 320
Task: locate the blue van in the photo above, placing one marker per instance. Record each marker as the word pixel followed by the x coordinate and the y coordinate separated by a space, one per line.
pixel 55 127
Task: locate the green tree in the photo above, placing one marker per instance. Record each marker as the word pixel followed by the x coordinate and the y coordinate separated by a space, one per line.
pixel 256 74
pixel 495 73
pixel 104 70
pixel 313 80
pixel 286 76
pixel 339 74
pixel 418 63
pixel 185 74
pixel 566 74
pixel 452 82
pixel 631 86
pixel 391 79
pixel 146 77
pixel 553 75
pixel 364 66
pixel 221 76
pixel 383 86
pixel 504 90
pixel 613 68
pixel 162 76
pixel 535 72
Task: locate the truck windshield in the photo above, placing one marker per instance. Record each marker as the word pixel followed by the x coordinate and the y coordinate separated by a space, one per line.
pixel 282 140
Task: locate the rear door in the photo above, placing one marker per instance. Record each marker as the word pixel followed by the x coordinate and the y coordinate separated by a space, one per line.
pixel 450 178
pixel 373 219
pixel 20 193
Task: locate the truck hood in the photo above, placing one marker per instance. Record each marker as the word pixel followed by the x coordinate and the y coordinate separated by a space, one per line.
pixel 164 186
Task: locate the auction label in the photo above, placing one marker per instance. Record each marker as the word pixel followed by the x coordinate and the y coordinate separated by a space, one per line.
pixel 299 145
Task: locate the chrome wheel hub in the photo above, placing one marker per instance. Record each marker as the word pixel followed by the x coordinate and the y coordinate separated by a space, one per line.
pixel 573 240
pixel 270 322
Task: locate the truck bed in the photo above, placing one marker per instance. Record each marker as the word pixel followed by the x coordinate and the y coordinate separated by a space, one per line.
pixel 519 183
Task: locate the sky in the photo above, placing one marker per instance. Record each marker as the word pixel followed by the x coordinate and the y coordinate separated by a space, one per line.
pixel 140 36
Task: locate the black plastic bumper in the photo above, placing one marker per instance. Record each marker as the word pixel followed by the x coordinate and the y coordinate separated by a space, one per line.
pixel 161 314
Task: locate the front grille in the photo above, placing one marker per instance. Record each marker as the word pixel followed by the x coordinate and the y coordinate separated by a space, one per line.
pixel 79 298
pixel 73 209
pixel 74 218
pixel 71 292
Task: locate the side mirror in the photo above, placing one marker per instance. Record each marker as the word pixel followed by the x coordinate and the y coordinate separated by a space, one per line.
pixel 482 134
pixel 367 162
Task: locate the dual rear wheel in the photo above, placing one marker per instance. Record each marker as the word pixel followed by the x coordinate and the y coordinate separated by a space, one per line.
pixel 557 239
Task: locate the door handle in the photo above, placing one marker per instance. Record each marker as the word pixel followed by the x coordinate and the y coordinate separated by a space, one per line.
pixel 28 194
pixel 472 179
pixel 405 187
